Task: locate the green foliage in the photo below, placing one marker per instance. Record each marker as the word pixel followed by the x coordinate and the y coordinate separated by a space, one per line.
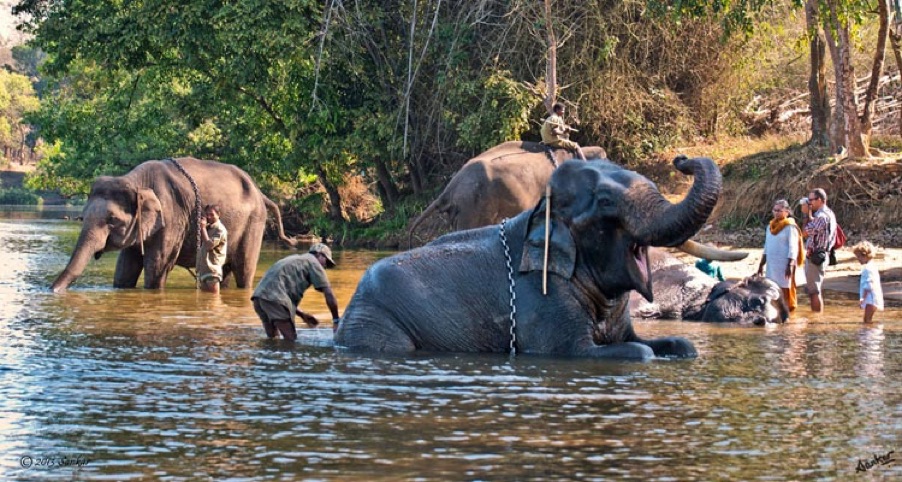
pixel 19 196
pixel 17 99
pixel 296 95
pixel 501 110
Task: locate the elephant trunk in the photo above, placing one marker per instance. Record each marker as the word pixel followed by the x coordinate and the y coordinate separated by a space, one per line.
pixel 86 247
pixel 655 221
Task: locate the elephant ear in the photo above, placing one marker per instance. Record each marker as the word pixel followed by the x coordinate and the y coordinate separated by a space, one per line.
pixel 149 213
pixel 561 247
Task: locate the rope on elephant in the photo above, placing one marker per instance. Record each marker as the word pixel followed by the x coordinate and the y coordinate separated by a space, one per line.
pixel 510 277
pixel 198 207
pixel 549 151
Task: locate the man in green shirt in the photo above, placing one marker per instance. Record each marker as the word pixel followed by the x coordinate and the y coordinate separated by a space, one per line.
pixel 281 289
pixel 213 246
pixel 556 132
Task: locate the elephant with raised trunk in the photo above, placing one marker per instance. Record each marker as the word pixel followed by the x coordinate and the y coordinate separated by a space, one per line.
pixel 149 215
pixel 455 294
pixel 682 291
pixel 501 182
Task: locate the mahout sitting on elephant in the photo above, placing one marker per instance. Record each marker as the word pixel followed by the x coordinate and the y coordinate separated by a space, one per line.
pixel 481 290
pixel 150 216
pixel 682 291
pixel 501 182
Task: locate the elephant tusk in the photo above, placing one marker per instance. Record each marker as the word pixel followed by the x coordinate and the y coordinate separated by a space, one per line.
pixel 704 251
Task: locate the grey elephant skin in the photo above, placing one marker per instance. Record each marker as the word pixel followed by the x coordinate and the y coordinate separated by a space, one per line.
pixel 452 295
pixel 149 216
pixel 682 291
pixel 501 182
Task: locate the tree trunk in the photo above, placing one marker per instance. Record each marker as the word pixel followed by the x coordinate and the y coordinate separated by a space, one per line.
pixel 818 102
pixel 386 184
pixel 895 39
pixel 551 65
pixel 840 50
pixel 332 192
pixel 837 139
pixel 870 95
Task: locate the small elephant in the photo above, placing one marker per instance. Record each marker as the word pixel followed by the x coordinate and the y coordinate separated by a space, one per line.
pixel 501 182
pixel 682 291
pixel 482 290
pixel 149 215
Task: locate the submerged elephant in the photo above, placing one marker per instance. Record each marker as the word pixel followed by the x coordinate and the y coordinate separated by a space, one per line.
pixel 456 293
pixel 149 215
pixel 501 182
pixel 682 291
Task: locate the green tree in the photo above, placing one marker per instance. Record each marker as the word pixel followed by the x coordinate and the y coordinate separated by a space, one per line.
pixel 17 99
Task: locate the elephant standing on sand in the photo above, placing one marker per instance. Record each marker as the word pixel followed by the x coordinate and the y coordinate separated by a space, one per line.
pixel 501 182
pixel 149 215
pixel 455 294
pixel 682 291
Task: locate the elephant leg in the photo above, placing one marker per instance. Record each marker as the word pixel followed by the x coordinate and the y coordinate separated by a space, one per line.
pixel 373 336
pixel 671 347
pixel 128 268
pixel 226 276
pixel 157 266
pixel 246 255
pixel 622 351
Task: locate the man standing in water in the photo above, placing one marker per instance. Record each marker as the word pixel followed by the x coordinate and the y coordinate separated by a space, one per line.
pixel 213 246
pixel 820 232
pixel 556 132
pixel 281 289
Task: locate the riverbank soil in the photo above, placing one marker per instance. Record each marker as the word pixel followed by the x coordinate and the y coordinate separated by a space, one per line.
pixel 865 194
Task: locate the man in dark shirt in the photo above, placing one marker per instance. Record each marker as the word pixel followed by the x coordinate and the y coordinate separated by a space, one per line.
pixel 281 289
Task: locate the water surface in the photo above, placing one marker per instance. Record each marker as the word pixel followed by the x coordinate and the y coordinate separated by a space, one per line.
pixel 104 384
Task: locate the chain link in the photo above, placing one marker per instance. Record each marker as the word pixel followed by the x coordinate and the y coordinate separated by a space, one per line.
pixel 198 207
pixel 512 285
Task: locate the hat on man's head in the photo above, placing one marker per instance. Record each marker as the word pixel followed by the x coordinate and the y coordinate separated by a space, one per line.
pixel 325 251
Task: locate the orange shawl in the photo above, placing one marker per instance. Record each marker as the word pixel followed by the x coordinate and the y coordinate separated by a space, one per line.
pixel 777 226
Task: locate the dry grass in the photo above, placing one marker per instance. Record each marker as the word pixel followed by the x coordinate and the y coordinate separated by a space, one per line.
pixel 866 194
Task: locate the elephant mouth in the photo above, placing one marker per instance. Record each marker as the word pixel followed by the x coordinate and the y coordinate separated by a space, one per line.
pixel 98 254
pixel 642 273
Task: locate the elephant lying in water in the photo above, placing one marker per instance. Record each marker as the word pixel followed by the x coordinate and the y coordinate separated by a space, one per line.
pixel 456 293
pixel 501 182
pixel 149 216
pixel 682 291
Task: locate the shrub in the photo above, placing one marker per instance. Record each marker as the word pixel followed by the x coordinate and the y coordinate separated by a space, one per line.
pixel 19 196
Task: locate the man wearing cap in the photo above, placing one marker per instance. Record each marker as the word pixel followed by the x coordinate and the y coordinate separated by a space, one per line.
pixel 279 292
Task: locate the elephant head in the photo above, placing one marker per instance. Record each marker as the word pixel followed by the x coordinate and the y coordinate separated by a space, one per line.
pixel 117 215
pixel 609 216
pixel 754 300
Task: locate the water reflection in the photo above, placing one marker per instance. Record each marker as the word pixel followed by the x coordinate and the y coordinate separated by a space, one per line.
pixel 157 384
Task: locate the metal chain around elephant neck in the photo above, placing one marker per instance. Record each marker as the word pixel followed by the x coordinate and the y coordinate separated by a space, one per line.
pixel 198 207
pixel 512 285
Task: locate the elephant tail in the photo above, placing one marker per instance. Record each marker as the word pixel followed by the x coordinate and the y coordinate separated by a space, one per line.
pixel 440 204
pixel 274 209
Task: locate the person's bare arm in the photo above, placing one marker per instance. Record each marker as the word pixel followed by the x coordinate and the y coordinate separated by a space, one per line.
pixel 332 303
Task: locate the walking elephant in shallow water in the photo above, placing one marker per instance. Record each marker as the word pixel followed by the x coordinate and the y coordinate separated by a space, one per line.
pixel 149 215
pixel 501 182
pixel 682 291
pixel 456 293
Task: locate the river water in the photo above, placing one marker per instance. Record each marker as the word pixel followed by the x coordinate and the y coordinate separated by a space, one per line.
pixel 104 384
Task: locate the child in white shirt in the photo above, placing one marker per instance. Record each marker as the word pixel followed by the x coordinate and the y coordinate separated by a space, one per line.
pixel 870 293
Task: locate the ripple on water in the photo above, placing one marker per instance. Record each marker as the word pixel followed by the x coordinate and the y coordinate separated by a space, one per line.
pixel 175 384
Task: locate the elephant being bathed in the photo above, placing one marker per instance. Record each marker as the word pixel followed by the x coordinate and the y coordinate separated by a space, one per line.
pixel 456 293
pixel 149 215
